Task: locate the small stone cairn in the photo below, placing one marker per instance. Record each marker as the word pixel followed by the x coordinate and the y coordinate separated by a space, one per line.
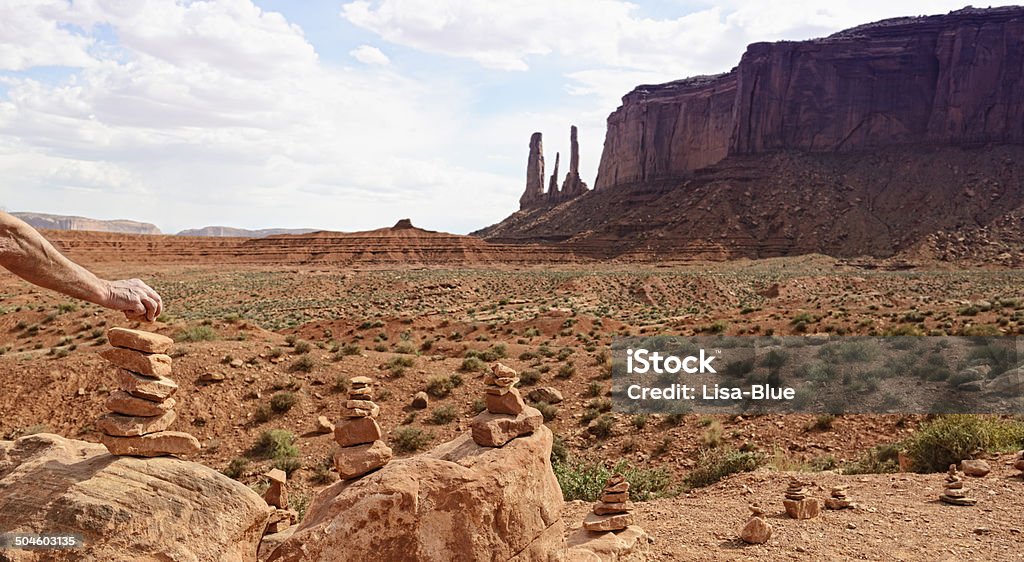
pixel 613 512
pixel 797 503
pixel 358 434
pixel 756 530
pixel 506 416
pixel 954 492
pixel 277 496
pixel 142 409
pixel 839 498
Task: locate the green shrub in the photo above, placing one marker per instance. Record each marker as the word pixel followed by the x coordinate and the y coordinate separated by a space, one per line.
pixel 442 386
pixel 582 480
pixel 236 468
pixel 302 347
pixel 566 371
pixel 715 464
pixel 263 413
pixel 471 364
pixel 196 333
pixel 775 359
pixel 528 377
pixel 322 472
pixel 602 427
pixel 713 434
pixel 288 464
pixel 883 459
pixel 950 439
pixel 408 439
pixel 305 364
pixel 397 365
pixel 443 414
pixel 341 384
pixel 283 401
pixel 549 411
pixel 822 423
pixel 276 444
pixel 639 421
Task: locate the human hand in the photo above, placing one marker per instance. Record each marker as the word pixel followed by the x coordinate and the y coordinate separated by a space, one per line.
pixel 134 298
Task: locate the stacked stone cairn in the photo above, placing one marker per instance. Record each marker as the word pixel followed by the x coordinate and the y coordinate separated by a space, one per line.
pixel 954 492
pixel 506 416
pixel 358 434
pixel 613 512
pixel 797 503
pixel 142 410
pixel 839 498
pixel 756 530
pixel 277 496
pixel 1019 463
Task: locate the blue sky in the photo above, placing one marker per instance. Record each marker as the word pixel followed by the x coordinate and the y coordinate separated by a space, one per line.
pixel 342 115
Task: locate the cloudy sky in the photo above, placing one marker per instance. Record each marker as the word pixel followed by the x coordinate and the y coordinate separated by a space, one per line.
pixel 343 115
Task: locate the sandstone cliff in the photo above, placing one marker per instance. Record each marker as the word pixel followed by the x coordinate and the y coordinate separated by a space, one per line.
pixel 60 222
pixel 949 79
pixel 899 137
pixel 667 130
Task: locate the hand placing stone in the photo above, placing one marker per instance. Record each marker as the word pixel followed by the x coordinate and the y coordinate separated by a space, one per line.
pixel 134 298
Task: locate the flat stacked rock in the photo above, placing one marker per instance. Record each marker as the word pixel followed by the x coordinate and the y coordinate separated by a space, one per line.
pixel 798 504
pixel 954 492
pixel 756 530
pixel 507 416
pixel 613 512
pixel 1019 463
pixel 142 410
pixel 839 499
pixel 277 496
pixel 358 434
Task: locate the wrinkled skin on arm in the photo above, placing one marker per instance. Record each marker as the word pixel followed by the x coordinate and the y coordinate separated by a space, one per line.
pixel 24 252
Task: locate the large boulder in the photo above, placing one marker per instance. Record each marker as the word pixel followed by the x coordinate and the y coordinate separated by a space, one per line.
pixel 1009 383
pixel 628 545
pixel 124 508
pixel 459 501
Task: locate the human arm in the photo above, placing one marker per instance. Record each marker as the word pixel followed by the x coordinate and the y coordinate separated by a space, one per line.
pixel 28 255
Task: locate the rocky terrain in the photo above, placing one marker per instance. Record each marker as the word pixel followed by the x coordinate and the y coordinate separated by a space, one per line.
pixel 263 348
pixel 901 137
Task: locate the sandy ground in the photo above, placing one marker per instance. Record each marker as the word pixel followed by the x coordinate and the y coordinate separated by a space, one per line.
pixel 898 518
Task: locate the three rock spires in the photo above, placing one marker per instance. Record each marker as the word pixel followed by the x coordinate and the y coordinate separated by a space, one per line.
pixel 573 186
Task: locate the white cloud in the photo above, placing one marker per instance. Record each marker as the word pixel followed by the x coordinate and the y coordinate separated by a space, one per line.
pixel 601 39
pixel 221 113
pixel 187 113
pixel 30 36
pixel 367 54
